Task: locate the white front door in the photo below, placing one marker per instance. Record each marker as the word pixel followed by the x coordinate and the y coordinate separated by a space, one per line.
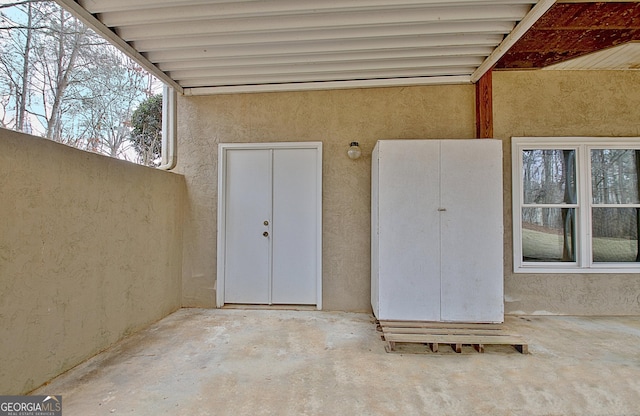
pixel 270 217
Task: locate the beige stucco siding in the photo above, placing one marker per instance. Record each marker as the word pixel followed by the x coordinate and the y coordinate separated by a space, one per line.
pixel 333 117
pixel 526 103
pixel 565 103
pixel 90 251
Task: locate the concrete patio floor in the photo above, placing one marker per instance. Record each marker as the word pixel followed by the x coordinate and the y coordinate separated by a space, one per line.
pixel 275 362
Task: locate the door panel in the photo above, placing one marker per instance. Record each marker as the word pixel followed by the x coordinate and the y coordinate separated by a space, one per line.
pixel 294 226
pixel 472 231
pixel 409 230
pixel 248 205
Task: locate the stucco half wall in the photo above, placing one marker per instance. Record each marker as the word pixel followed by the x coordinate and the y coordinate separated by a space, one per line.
pixel 335 118
pixel 90 251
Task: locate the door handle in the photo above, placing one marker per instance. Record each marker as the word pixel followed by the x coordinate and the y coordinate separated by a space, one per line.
pixel 442 209
pixel 266 234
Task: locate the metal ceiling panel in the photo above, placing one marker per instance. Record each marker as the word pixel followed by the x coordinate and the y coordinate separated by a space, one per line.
pixel 209 46
pixel 335 34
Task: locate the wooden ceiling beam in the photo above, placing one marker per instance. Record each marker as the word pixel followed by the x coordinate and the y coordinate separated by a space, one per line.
pixel 572 29
pixel 512 38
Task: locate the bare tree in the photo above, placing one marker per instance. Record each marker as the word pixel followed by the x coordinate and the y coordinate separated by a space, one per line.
pixel 55 70
pixel 21 104
pixel 118 85
pixel 58 68
pixel 17 41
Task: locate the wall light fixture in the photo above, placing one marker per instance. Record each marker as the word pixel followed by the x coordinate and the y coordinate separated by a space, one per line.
pixel 354 151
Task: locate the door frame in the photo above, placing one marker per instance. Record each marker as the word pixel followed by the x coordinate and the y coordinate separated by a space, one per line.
pixel 222 181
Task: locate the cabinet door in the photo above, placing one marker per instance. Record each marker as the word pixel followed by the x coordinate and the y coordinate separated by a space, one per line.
pixel 472 231
pixel 408 230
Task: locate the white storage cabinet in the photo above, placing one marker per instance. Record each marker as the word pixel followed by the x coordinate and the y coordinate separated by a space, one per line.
pixel 437 230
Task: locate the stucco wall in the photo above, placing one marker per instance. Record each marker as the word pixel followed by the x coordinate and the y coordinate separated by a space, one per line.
pixel 563 103
pixel 90 251
pixel 333 117
pixel 526 103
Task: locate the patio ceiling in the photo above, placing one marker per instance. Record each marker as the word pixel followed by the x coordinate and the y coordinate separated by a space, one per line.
pixel 569 33
pixel 230 46
pixel 219 46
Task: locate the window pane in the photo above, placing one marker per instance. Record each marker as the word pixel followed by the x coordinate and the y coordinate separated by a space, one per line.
pixel 548 176
pixel 615 234
pixel 548 234
pixel 614 176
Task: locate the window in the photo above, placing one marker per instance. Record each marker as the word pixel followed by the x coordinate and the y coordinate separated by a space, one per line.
pixel 576 205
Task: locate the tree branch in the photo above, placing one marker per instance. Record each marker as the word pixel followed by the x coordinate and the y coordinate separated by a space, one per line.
pixel 21 3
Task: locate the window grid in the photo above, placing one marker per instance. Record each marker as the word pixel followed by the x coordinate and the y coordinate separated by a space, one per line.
pixel 583 207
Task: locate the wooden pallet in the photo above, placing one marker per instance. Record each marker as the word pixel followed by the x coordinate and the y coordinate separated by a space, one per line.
pixel 454 334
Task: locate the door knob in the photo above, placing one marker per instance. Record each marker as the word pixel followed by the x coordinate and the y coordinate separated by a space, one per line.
pixel 266 234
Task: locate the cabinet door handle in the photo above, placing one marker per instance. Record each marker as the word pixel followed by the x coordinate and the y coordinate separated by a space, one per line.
pixel 266 234
pixel 442 209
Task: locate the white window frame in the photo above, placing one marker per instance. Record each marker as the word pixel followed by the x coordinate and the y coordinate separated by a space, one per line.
pixel 583 242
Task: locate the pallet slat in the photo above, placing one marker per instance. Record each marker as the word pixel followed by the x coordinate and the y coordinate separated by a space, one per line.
pixel 454 334
pixel 451 339
pixel 442 331
pixel 422 324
